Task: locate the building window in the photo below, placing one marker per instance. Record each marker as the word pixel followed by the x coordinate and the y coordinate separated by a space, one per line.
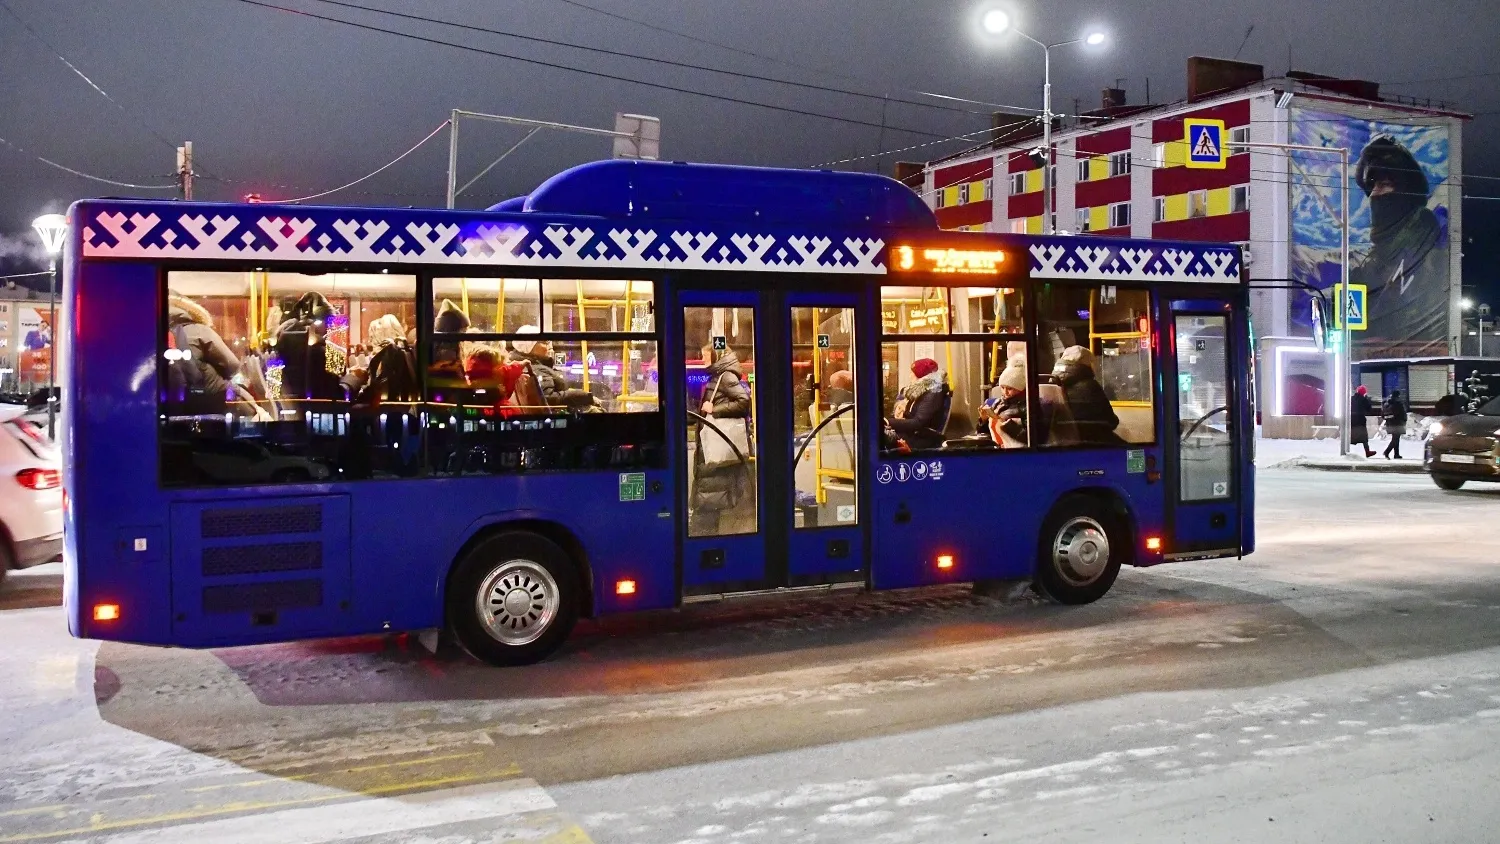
pixel 1017 183
pixel 1096 344
pixel 963 194
pixel 1239 135
pixel 1161 209
pixel 1083 169
pixel 945 354
pixel 938 195
pixel 1081 218
pixel 1119 215
pixel 1239 199
pixel 1018 226
pixel 1119 164
pixel 1159 155
pixel 989 188
pixel 1197 204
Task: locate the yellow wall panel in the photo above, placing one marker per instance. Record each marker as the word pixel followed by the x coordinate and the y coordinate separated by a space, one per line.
pixel 1176 153
pixel 976 192
pixel 1099 218
pixel 1033 181
pixel 950 196
pixel 1177 207
pixel 1034 224
pixel 1098 168
pixel 1218 202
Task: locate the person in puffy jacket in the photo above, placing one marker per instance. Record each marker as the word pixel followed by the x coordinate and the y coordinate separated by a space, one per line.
pixel 208 373
pixel 728 489
pixel 1393 411
pixel 549 379
pixel 920 417
pixel 1093 416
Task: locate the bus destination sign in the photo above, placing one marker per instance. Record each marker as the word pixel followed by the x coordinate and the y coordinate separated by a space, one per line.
pixel 957 261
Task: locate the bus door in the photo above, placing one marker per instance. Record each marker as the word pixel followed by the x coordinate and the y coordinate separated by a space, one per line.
pixel 1203 484
pixel 769 492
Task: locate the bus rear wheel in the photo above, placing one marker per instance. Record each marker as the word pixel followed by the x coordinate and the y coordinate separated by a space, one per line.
pixel 1082 547
pixel 513 599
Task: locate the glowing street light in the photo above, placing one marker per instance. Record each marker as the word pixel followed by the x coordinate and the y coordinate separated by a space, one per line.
pixel 997 22
pixel 52 229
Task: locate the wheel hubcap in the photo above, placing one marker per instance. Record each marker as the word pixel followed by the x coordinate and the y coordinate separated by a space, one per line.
pixel 1080 553
pixel 517 602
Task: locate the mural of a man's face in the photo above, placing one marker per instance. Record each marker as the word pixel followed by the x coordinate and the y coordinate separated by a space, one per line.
pixel 1393 180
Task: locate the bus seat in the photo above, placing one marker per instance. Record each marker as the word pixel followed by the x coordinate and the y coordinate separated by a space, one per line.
pixel 1061 431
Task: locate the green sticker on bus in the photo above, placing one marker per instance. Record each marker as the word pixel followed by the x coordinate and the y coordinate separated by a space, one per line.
pixel 633 486
pixel 1135 461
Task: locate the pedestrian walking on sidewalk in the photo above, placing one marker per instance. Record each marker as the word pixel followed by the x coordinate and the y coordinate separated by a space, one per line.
pixel 1360 410
pixel 1393 411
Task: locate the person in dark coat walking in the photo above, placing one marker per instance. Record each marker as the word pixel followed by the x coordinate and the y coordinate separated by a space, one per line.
pixel 1093 415
pixel 921 414
pixel 1360 410
pixel 1393 410
pixel 721 490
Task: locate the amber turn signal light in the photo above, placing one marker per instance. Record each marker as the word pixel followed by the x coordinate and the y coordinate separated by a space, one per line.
pixel 106 612
pixel 625 587
pixel 1153 543
pixel 945 562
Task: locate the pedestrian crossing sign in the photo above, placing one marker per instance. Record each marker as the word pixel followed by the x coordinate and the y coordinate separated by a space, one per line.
pixel 1205 143
pixel 1359 318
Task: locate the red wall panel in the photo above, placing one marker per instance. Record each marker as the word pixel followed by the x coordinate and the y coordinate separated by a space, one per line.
pixel 1220 229
pixel 973 171
pixel 1174 180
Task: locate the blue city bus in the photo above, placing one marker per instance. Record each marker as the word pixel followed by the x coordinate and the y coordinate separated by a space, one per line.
pixel 642 385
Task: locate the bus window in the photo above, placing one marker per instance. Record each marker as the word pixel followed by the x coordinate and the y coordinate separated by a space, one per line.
pixel 953 368
pixel 719 351
pixel 516 381
pixel 1096 347
pixel 283 377
pixel 1204 418
pixel 824 416
pixel 488 305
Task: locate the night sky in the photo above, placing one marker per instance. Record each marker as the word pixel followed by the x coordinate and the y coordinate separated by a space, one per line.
pixel 286 105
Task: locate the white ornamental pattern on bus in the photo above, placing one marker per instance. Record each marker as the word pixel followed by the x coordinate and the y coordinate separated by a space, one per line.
pixel 117 234
pixel 1094 258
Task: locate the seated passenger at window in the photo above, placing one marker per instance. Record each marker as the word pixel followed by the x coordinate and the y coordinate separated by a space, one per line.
pixel 391 373
pixel 302 344
pixel 921 413
pixel 447 363
pixel 1003 418
pixel 537 355
pixel 1093 417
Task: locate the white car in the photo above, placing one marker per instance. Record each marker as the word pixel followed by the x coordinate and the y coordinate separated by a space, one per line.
pixel 31 501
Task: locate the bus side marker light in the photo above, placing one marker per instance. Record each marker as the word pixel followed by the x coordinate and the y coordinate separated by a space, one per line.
pixel 625 587
pixel 1153 543
pixel 106 612
pixel 945 562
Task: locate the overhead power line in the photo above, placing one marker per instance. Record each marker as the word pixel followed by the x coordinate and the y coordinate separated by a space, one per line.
pixel 594 73
pixel 656 60
pixel 378 170
pixel 66 169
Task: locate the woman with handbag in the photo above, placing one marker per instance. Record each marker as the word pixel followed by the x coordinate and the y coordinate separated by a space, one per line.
pixel 721 474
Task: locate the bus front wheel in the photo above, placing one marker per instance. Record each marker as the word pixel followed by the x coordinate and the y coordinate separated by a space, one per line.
pixel 1082 547
pixel 513 599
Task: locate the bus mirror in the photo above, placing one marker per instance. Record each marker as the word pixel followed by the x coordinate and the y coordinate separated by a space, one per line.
pixel 1319 322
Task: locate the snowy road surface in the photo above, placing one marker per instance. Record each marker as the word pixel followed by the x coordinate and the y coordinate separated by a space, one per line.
pixel 1342 684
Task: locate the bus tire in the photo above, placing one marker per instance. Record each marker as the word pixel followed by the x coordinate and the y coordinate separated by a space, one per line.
pixel 1082 546
pixel 513 599
pixel 1449 484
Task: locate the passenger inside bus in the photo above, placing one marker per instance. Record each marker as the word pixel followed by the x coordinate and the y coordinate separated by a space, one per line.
pixel 921 413
pixel 205 379
pixel 536 356
pixel 722 498
pixel 1003 417
pixel 840 389
pixel 1093 416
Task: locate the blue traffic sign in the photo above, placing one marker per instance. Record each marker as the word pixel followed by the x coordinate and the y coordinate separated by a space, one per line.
pixel 1205 144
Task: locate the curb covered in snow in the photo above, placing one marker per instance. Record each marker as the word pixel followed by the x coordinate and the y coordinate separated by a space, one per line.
pixel 1391 467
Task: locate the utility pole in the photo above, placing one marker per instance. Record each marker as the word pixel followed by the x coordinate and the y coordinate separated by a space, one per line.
pixel 185 170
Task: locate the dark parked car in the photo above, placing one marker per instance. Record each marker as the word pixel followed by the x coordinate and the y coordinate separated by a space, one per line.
pixel 1465 448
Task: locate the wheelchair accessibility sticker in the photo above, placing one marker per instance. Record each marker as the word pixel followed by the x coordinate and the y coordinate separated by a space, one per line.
pixel 920 470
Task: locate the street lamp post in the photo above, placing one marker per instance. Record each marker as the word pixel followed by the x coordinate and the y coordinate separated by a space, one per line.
pixel 996 22
pixel 51 228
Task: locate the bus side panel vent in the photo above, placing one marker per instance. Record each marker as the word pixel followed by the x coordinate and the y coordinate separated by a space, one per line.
pixel 221 523
pixel 223 560
pixel 263 597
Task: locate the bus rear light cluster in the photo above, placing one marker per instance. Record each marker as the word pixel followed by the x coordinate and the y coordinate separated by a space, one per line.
pixel 106 612
pixel 625 587
pixel 945 562
pixel 1153 543
pixel 39 479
